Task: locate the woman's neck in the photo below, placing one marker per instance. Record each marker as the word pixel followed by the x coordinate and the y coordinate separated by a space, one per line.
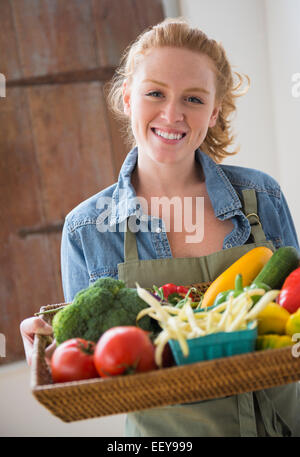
pixel 166 180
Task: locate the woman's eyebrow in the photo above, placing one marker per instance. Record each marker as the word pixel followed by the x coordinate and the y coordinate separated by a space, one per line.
pixel 197 89
pixel 191 89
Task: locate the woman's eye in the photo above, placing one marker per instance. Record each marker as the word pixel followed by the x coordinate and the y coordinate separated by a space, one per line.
pixel 158 94
pixel 154 93
pixel 195 100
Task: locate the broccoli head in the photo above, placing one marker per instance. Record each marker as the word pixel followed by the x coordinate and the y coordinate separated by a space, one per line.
pixel 106 303
pixel 113 285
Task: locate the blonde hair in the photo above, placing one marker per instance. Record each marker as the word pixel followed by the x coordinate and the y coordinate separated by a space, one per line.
pixel 177 33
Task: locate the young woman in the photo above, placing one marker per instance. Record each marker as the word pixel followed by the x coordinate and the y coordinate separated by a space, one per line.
pixel 175 90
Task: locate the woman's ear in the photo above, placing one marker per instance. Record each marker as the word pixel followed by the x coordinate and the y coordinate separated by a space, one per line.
pixel 126 99
pixel 214 116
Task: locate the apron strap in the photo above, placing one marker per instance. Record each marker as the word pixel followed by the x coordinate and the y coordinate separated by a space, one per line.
pixel 130 244
pixel 250 211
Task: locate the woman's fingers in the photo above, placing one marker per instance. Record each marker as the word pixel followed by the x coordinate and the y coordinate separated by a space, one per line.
pixel 28 328
pixel 34 325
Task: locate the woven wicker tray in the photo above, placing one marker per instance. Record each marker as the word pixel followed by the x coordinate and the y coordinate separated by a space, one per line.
pixel 217 378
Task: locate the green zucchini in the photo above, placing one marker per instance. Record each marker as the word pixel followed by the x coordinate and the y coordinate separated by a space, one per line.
pixel 279 266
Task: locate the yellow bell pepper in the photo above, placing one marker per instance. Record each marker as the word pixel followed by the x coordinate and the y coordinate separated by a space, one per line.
pixel 249 265
pixel 272 319
pixel 273 342
pixel 293 323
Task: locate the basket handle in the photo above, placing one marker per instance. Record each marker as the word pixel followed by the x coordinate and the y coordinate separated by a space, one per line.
pixel 40 371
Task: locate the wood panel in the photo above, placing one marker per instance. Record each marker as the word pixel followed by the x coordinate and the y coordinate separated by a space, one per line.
pixel 114 32
pixel 24 263
pixel 71 134
pixel 54 35
pixel 59 144
pixel 8 43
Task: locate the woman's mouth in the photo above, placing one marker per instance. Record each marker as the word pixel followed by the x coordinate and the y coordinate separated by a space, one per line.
pixel 168 137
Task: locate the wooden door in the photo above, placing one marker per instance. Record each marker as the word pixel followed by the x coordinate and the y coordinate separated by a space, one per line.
pixel 58 142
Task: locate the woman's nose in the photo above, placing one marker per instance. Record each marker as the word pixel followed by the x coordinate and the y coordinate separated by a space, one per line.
pixel 172 112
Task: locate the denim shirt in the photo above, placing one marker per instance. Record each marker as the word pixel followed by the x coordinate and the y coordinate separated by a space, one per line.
pixel 93 233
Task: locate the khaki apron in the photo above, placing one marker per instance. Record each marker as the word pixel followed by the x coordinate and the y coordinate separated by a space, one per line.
pixel 240 415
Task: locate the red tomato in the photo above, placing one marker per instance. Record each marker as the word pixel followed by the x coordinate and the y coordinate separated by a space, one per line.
pixel 73 360
pixel 124 350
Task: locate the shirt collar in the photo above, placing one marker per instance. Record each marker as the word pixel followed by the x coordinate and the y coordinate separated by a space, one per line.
pixel 222 194
pixel 124 199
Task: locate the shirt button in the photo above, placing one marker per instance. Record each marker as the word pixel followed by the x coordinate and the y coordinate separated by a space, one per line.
pixel 158 230
pixel 228 245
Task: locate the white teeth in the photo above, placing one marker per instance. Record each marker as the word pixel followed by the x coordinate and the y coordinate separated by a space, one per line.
pixel 169 136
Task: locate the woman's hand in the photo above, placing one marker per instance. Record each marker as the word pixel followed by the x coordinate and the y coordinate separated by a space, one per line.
pixel 28 328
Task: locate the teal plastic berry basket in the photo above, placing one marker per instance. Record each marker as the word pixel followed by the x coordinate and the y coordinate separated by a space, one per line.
pixel 216 345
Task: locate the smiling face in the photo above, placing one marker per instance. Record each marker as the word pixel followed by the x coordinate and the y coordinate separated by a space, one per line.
pixel 171 103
